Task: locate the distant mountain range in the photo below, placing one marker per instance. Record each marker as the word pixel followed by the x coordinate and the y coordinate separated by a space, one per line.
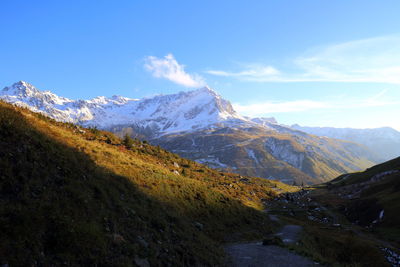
pixel 385 141
pixel 203 126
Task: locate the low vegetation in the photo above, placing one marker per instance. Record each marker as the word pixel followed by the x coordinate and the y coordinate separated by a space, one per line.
pixel 376 201
pixel 351 221
pixel 76 196
pixel 328 237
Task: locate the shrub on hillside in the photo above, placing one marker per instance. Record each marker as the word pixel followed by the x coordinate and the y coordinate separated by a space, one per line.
pixel 128 141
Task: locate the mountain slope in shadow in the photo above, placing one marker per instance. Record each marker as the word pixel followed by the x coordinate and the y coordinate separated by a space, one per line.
pixel 76 196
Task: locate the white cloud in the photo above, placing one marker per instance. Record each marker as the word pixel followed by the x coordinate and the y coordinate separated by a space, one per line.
pixel 252 71
pixel 168 68
pixel 374 60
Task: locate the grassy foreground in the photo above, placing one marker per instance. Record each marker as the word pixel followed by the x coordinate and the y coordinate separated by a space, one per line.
pixel 77 196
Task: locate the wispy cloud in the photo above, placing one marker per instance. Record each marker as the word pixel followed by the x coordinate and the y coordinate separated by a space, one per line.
pixel 268 107
pixel 168 68
pixel 257 71
pixel 374 60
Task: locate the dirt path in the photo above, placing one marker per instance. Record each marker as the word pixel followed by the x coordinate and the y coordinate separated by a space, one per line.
pixel 290 233
pixel 258 255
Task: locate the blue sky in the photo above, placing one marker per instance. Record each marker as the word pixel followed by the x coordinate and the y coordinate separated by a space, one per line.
pixel 317 63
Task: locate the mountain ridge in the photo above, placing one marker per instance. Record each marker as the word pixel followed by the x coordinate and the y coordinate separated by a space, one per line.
pixel 164 114
pixel 250 146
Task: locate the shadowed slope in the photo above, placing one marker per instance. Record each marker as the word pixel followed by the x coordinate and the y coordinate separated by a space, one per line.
pixel 76 196
pixel 373 197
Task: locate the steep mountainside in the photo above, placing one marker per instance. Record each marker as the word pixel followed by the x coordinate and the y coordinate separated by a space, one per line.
pixel 75 196
pixel 202 126
pixel 298 158
pixel 384 141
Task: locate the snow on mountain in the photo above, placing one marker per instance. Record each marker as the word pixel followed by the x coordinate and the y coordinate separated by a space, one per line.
pixel 163 114
pixel 203 126
pixel 27 93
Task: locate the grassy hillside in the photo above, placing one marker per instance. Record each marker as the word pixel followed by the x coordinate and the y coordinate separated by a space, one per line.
pixel 351 221
pixel 77 196
pixel 375 190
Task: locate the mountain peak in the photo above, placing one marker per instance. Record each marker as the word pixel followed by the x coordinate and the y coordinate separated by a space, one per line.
pixel 23 83
pixel 21 88
pixel 208 90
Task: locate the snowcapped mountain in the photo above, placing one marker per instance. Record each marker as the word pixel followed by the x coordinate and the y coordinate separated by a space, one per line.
pixel 384 141
pixel 162 114
pixel 203 126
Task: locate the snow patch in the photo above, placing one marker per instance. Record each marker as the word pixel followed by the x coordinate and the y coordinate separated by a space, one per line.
pixel 251 154
pixel 212 162
pixel 381 214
